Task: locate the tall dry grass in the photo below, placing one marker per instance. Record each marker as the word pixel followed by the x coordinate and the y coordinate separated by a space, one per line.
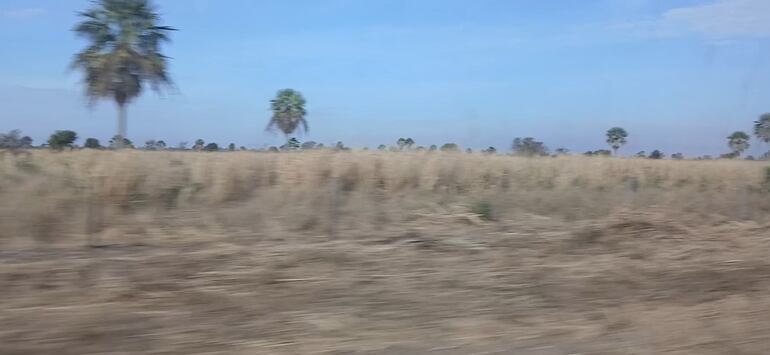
pixel 52 197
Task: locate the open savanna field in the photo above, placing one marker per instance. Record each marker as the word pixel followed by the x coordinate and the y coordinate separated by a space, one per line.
pixel 381 253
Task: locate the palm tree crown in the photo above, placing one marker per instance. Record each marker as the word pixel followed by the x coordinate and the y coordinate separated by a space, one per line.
pixel 288 112
pixel 123 52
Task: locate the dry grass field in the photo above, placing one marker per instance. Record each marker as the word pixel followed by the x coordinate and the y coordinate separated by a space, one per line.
pixel 381 253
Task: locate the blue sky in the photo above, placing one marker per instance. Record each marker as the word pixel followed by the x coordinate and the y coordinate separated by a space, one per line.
pixel 679 75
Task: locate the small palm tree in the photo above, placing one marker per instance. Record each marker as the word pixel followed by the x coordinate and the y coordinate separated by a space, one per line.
pixel 288 112
pixel 616 138
pixel 123 53
pixel 738 142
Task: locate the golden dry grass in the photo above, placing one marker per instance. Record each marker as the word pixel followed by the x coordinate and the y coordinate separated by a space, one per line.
pixel 57 196
pixel 381 253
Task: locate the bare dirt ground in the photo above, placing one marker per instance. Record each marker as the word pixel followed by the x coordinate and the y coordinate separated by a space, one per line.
pixel 631 283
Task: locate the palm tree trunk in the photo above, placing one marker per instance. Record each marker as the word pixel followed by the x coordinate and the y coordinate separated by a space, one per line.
pixel 122 123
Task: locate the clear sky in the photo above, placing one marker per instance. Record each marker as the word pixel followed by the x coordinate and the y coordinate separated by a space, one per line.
pixel 679 75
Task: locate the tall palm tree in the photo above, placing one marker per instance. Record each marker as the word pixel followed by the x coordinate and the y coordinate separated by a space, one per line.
pixel 738 142
pixel 616 138
pixel 123 53
pixel 288 112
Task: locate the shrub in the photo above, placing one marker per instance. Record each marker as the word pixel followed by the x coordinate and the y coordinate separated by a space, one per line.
pixel 309 145
pixel 450 147
pixel 114 142
pixel 656 154
pixel 92 143
pixel 14 140
pixel 529 147
pixel 484 210
pixel 62 139
pixel 211 147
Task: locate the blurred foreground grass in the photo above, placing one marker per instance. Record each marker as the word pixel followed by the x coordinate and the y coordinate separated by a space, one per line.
pixel 381 253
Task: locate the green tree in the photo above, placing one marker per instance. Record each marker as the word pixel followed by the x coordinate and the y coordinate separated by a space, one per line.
pixel 231 147
pixel 401 143
pixel 289 112
pixel 490 150
pixel 211 147
pixel 382 147
pixel 161 145
pixel 92 143
pixel 199 144
pixel 123 53
pixel 62 139
pixel 14 140
pixel 340 147
pixel 731 155
pixel 405 143
pixel 151 145
pixel 738 142
pixel 432 148
pixel 598 153
pixel 528 147
pixel 656 154
pixel 561 151
pixel 450 147
pixel 616 138
pixel 119 142
pixel 26 142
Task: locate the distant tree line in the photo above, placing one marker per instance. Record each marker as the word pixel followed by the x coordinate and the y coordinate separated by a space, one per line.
pixel 738 142
pixel 289 116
